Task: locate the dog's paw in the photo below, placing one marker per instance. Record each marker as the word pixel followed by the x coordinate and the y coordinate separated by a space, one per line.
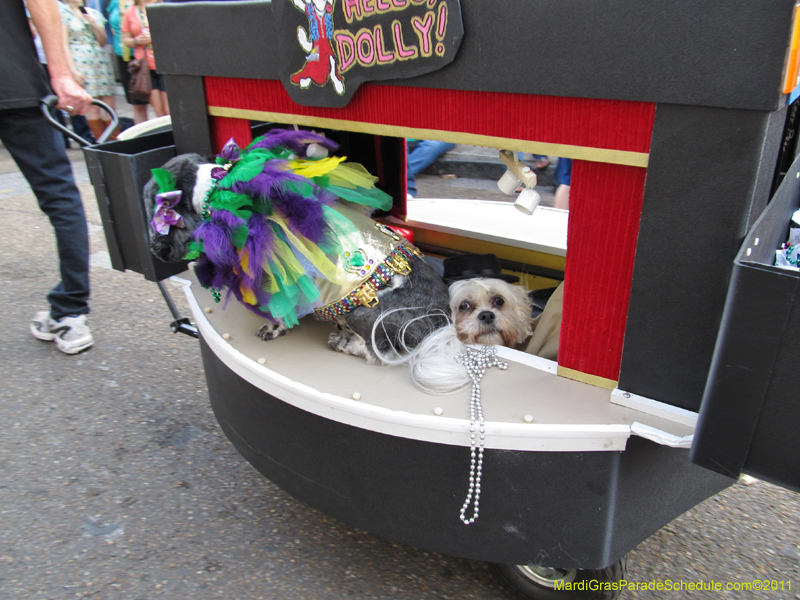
pixel 340 341
pixel 270 331
pixel 351 343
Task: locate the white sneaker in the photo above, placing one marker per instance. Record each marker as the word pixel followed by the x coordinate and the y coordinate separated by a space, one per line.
pixel 70 334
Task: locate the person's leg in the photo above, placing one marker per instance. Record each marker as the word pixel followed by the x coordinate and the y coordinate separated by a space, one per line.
pixel 38 150
pixel 95 120
pixel 161 85
pixel 139 113
pixel 164 103
pixel 563 175
pixel 425 154
pixel 158 97
pixel 107 117
pixel 81 126
pixel 422 155
pixel 561 199
pixel 155 102
pixel 563 179
pixel 112 103
pixel 411 186
pixel 411 180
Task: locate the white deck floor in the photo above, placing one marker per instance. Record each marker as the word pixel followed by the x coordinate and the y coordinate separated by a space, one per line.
pixel 300 369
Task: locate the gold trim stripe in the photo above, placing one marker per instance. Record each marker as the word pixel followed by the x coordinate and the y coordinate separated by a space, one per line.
pixel 603 155
pixel 594 380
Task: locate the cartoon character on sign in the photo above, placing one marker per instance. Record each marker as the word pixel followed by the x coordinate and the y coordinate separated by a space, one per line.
pixel 321 63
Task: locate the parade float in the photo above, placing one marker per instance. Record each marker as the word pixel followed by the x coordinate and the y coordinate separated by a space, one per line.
pixel 675 362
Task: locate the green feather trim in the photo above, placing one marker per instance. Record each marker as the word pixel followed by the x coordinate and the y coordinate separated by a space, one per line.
pixel 239 236
pixel 374 197
pixel 164 180
pixel 244 170
pixel 194 249
pixel 304 188
pixel 282 304
pixel 262 206
pixel 238 204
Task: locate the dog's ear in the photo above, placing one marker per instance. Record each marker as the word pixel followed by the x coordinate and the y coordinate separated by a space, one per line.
pixel 521 295
pixel 521 307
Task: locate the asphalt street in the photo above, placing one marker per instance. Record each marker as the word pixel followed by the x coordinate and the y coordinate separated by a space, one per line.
pixel 116 481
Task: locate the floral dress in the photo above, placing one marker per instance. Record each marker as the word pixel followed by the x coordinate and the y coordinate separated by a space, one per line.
pixel 89 58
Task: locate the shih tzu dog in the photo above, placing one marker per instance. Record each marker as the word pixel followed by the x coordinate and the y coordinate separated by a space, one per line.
pixel 285 229
pixel 486 308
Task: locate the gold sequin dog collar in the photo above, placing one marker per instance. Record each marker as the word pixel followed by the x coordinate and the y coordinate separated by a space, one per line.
pixel 366 294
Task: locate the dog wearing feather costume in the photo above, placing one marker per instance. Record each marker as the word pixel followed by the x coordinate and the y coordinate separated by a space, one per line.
pixel 285 229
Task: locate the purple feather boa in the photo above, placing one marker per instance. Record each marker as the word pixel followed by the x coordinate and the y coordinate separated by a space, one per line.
pixel 259 244
pixel 304 214
pixel 216 237
pixel 296 141
pixel 211 276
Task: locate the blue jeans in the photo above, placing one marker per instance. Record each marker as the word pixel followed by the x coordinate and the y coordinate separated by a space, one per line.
pixel 563 172
pixel 421 154
pixel 38 150
pixel 81 127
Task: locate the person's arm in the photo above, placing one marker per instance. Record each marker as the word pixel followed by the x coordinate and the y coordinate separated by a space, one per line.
pixel 98 28
pixel 131 42
pixel 46 18
pixel 128 39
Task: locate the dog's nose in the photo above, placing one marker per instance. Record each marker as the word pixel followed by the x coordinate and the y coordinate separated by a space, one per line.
pixel 486 316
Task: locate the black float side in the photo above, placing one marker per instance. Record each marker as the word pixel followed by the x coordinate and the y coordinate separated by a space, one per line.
pixel 570 509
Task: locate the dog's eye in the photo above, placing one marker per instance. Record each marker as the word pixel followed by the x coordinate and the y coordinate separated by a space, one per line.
pixel 498 301
pixel 465 306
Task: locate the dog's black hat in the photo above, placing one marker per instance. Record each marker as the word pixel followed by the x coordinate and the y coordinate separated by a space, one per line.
pixel 470 266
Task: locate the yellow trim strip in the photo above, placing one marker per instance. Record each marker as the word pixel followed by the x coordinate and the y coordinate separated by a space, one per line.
pixel 594 380
pixel 604 155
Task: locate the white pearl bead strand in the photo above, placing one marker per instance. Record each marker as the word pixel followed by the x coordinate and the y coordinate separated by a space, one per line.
pixel 476 361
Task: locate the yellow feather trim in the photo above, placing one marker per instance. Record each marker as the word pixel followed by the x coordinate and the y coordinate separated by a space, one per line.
pixel 248 297
pixel 311 251
pixel 244 260
pixel 351 176
pixel 315 168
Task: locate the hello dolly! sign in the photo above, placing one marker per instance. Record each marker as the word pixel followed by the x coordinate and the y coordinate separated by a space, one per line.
pixel 330 47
